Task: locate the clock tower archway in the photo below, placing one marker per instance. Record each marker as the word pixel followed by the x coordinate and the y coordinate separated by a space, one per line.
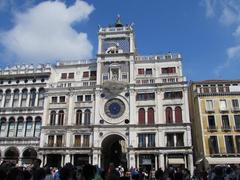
pixel 114 150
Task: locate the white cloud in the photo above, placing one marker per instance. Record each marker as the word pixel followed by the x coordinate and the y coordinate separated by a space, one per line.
pixel 210 6
pixel 233 52
pixel 44 33
pixel 237 32
pixel 228 14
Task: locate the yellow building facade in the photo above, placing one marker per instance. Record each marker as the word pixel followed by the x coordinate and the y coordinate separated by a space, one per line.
pixel 215 116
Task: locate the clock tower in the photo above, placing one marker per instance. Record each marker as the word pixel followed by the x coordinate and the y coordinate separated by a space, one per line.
pixel 115 67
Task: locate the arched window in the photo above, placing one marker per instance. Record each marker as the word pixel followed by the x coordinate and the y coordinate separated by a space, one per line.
pixel 29 127
pixel 11 127
pixel 150 116
pixel 141 116
pixel 41 97
pixel 60 117
pixel 79 117
pixel 24 98
pixel 2 126
pixel 87 116
pixel 32 97
pixel 52 117
pixel 37 128
pixel 7 98
pixel 178 114
pixel 169 115
pixel 20 126
pixel 15 98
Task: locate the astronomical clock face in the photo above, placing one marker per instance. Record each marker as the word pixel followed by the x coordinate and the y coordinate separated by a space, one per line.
pixel 114 108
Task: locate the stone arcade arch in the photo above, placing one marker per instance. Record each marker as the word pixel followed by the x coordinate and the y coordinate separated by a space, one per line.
pixel 114 150
pixel 12 155
pixel 29 155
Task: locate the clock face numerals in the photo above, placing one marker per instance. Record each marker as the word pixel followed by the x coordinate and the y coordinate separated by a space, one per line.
pixel 114 108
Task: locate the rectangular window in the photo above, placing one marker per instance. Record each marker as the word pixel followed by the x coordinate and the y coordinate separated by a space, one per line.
pixel 209 105
pixel 213 145
pixel 227 87
pixel 141 71
pixel 88 98
pixel 148 71
pixel 205 89
pixel 77 141
pixel 151 140
pixel 93 75
pixel 220 88
pixel 237 138
pixel 85 74
pixel 225 122
pixel 54 99
pixel 71 76
pixel 62 99
pixel 170 140
pixel 229 144
pixel 237 122
pixel 80 98
pixel 235 104
pixel 50 140
pixel 173 95
pixel 164 70
pixel 213 88
pixel 145 96
pixel 211 123
pixel 86 140
pixel 141 140
pixel 64 76
pixel 179 137
pixel 59 141
pixel 168 70
pixel 223 105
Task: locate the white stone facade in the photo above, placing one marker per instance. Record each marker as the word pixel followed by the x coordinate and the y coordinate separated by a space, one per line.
pixel 121 108
pixel 22 93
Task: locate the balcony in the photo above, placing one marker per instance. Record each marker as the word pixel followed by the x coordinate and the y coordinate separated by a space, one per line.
pixel 83 103
pixel 145 81
pixel 76 145
pixel 226 128
pixel 56 145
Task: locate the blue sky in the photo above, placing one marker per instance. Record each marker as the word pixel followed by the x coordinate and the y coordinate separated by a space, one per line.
pixel 205 32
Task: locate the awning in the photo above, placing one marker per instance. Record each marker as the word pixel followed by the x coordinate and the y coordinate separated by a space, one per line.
pixel 224 160
pixel 176 161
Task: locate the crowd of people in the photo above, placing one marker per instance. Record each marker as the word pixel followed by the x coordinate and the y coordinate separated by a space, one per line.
pixel 9 171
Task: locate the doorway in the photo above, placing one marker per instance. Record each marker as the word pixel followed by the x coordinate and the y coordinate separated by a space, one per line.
pixel 54 160
pixel 114 151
